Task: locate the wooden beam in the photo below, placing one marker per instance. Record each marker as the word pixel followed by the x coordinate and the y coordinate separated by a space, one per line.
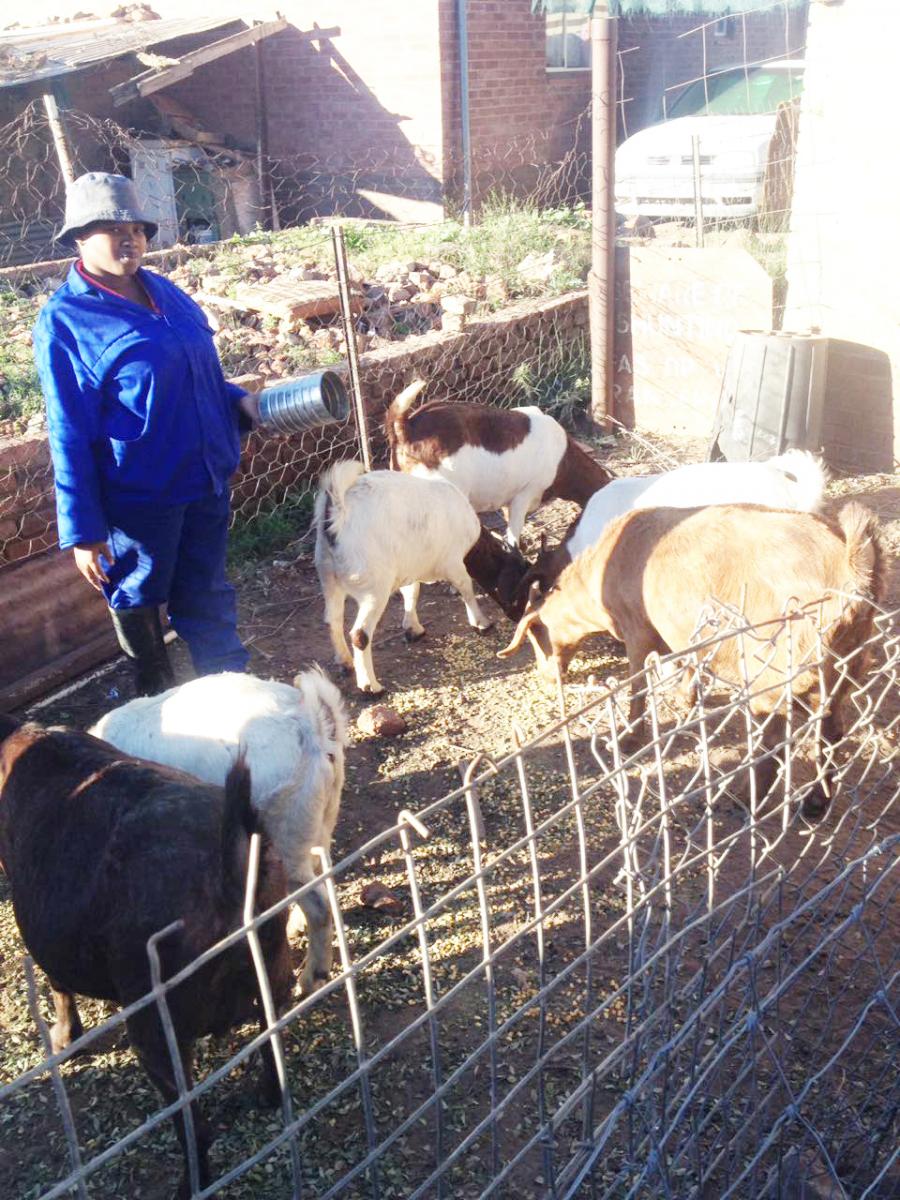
pixel 58 133
pixel 153 80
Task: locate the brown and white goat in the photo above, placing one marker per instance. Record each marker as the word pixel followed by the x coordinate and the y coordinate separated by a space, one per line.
pixel 654 573
pixel 102 851
pixel 514 459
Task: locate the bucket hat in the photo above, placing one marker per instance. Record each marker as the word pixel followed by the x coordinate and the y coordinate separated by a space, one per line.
pixel 100 196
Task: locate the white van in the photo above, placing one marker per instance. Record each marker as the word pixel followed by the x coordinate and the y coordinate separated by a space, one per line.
pixel 733 114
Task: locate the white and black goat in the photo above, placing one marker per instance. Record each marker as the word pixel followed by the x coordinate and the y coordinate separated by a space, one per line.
pixel 794 480
pixel 514 459
pixel 293 741
pixel 381 531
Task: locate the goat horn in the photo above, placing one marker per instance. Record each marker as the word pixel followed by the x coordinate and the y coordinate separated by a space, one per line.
pixel 519 636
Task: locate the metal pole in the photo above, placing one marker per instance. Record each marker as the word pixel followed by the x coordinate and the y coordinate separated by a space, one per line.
pixel 262 134
pixel 603 222
pixel 362 425
pixel 59 137
pixel 698 192
pixel 462 26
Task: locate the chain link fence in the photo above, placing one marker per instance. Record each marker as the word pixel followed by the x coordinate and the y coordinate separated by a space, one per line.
pixel 272 297
pixel 606 971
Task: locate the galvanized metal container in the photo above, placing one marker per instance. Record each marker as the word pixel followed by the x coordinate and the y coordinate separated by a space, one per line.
pixel 295 405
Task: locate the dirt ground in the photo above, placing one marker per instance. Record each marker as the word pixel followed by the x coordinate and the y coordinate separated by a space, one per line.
pixel 458 698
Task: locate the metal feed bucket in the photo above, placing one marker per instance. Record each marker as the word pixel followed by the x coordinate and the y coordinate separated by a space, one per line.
pixel 295 405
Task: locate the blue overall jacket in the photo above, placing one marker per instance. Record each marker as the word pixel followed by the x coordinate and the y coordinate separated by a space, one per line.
pixel 138 410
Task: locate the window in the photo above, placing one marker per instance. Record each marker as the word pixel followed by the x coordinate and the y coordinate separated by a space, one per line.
pixel 568 40
pixel 739 92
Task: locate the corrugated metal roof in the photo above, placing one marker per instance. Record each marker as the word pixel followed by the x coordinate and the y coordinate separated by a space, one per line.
pixel 59 50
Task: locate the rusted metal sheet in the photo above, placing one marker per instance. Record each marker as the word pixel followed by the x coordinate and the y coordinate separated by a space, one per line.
pixel 53 625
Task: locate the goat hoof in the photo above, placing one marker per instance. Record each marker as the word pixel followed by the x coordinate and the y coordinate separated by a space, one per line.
pixel 481 630
pixel 630 743
pixel 814 805
pixel 370 689
pixel 413 635
pixel 62 1036
pixel 311 981
pixel 269 1093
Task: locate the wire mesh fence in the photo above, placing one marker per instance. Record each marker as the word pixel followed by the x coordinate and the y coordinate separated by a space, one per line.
pixel 412 281
pixel 605 969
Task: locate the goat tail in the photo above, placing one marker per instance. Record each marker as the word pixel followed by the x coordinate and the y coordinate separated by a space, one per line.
pixel 334 484
pixel 395 417
pixel 325 706
pixel 238 817
pixel 809 475
pixel 865 553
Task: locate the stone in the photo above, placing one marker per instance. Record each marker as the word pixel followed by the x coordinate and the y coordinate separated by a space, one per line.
pixel 382 899
pixel 537 268
pixel 458 306
pixel 379 720
pixel 641 227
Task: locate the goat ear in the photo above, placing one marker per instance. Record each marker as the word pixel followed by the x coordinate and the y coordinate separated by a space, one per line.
pixel 519 636
pixel 535 594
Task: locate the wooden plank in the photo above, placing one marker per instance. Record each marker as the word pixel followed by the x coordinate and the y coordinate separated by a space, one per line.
pixel 58 625
pixel 153 80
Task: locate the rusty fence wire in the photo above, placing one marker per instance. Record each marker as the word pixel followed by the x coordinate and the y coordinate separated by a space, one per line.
pixel 611 970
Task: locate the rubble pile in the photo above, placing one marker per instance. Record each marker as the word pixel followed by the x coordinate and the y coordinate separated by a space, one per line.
pixel 275 312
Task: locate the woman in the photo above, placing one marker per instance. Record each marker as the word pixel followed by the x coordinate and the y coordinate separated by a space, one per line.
pixel 144 434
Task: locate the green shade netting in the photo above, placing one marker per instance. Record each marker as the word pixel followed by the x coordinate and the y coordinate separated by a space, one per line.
pixel 659 8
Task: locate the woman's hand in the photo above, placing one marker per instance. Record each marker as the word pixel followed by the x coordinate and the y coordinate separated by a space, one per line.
pixel 249 405
pixel 87 560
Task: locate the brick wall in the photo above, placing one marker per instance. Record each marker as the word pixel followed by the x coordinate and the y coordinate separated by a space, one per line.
pixel 522 115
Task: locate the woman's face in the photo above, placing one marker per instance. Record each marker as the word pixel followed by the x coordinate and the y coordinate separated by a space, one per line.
pixel 113 247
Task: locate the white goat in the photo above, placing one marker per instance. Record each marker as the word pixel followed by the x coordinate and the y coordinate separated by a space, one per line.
pixel 383 531
pixel 293 739
pixel 794 480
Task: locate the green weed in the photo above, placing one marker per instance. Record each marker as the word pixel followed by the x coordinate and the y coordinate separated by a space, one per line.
pixel 258 537
pixel 559 381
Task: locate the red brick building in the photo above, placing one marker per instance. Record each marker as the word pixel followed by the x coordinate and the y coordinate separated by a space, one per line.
pixel 367 120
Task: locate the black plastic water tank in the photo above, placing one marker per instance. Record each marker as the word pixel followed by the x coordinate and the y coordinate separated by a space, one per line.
pixel 783 390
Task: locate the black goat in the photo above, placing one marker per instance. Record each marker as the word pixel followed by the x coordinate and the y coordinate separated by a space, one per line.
pixel 103 850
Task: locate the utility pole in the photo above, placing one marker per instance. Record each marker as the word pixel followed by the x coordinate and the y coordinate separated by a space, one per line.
pixel 601 279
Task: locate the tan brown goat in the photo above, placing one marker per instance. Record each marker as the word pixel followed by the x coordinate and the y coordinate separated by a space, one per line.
pixel 654 573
